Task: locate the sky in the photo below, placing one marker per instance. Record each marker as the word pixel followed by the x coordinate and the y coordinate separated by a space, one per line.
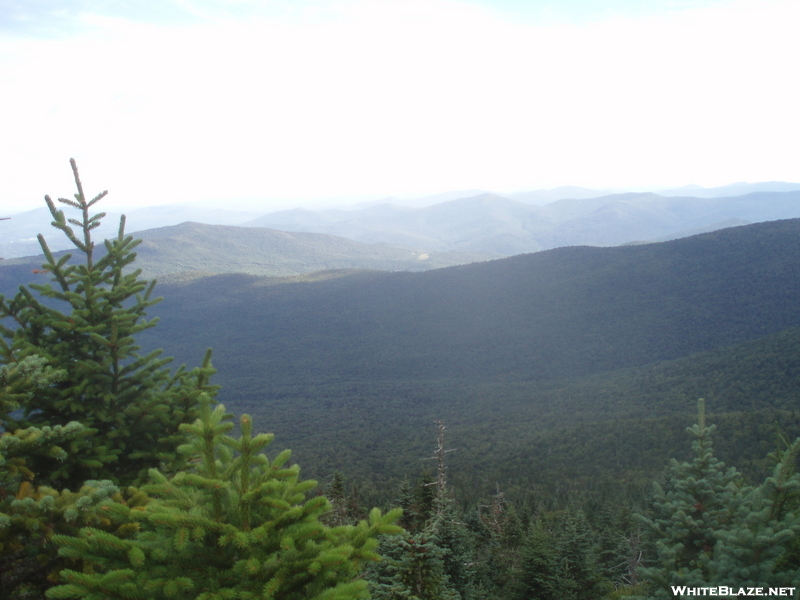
pixel 278 103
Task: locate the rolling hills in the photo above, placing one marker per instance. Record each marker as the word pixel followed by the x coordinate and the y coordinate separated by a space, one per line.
pixel 193 249
pixel 349 368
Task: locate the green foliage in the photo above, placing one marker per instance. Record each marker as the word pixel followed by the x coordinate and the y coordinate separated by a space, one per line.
pixel 412 568
pixel 537 579
pixel 30 514
pixel 81 410
pixel 560 561
pixel 709 527
pixel 30 518
pixel 233 525
pixel 435 559
pixel 756 547
pixel 519 353
pixel 697 500
pixel 84 325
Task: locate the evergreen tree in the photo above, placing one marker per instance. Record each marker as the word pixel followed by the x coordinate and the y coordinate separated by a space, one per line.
pixel 233 525
pixel 536 579
pixel 754 549
pixel 412 568
pixel 425 500
pixel 79 406
pixel 405 501
pixel 577 575
pixel 458 558
pixel 435 562
pixel 84 325
pixel 697 499
pixel 613 544
pixel 502 555
pixel 560 562
pixel 710 528
pixel 29 514
pixel 337 496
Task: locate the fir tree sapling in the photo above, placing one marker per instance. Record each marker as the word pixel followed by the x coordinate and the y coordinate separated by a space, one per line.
pixel 233 525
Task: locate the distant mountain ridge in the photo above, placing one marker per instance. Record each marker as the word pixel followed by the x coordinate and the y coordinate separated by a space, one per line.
pixel 500 225
pixel 197 248
pixel 539 223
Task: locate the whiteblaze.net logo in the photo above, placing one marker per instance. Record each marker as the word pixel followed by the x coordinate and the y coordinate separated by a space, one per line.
pixel 683 591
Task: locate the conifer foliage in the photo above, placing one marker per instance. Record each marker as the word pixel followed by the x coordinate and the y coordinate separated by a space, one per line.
pixel 711 528
pixel 83 414
pixel 84 325
pixel 234 525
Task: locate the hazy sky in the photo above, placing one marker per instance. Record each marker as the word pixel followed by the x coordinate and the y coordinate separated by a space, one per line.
pixel 179 100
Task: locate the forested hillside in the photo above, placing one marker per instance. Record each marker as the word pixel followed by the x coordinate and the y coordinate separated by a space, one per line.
pixel 189 249
pixel 504 349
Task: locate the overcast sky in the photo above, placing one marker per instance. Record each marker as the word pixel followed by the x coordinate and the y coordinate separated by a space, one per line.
pixel 291 100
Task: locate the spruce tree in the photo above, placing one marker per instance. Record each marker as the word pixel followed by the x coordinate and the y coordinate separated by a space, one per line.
pixel 537 579
pixel 233 525
pixel 84 324
pixel 337 496
pixel 412 568
pixel 696 501
pixel 754 549
pixel 710 528
pixel 577 574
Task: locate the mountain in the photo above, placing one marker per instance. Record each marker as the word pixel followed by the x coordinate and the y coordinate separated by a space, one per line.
pixel 506 351
pixel 568 312
pixel 18 234
pixel 230 249
pixel 501 225
pixel 210 249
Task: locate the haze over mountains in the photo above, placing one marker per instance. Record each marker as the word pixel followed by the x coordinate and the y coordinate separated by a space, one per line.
pixel 496 224
pixel 472 220
pixel 191 250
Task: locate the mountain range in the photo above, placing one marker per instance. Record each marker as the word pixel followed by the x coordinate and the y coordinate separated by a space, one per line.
pixel 470 220
pixel 500 225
